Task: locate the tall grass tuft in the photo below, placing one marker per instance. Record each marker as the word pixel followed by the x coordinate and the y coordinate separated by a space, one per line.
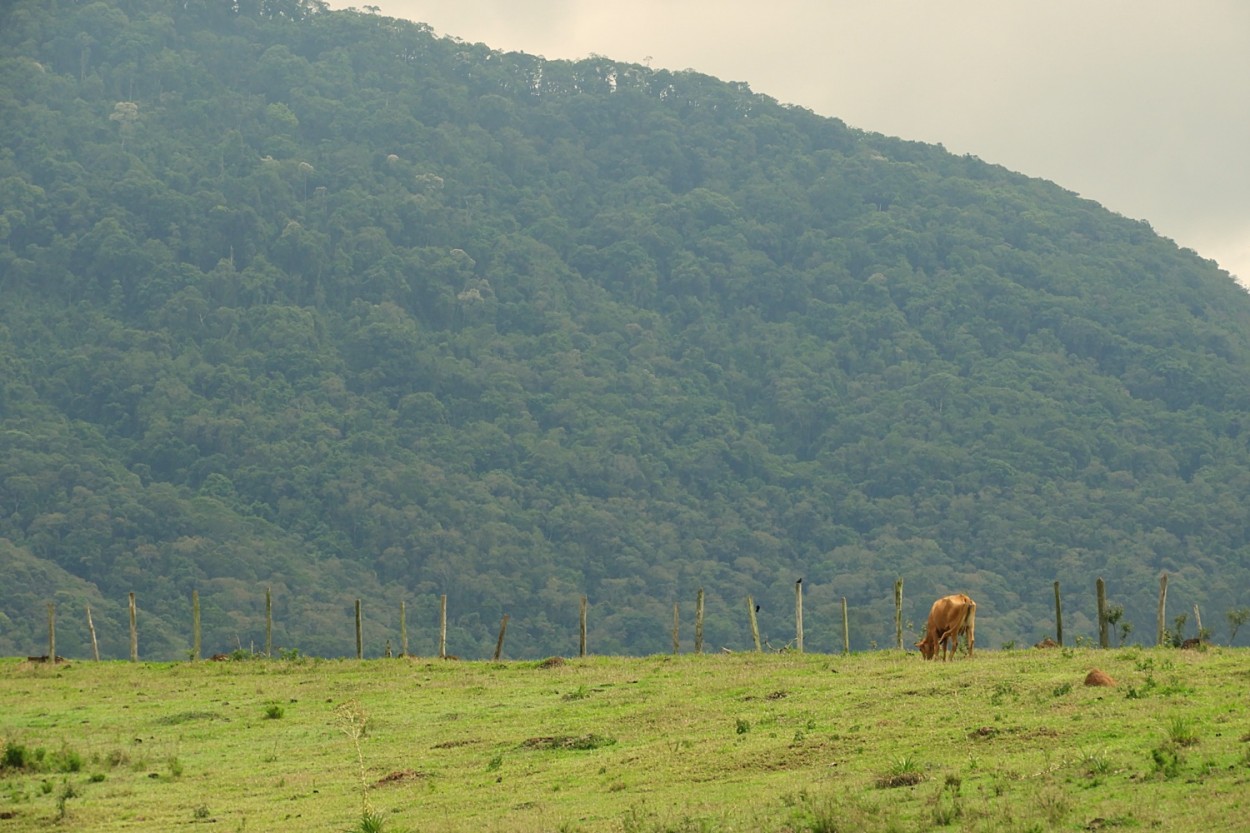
pixel 903 772
pixel 1181 732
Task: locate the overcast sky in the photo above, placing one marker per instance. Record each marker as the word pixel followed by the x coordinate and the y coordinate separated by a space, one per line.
pixel 1141 105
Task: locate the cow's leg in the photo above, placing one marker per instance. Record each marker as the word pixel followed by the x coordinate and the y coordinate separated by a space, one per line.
pixel 946 644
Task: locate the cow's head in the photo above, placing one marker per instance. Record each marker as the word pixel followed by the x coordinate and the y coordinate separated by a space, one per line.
pixel 927 649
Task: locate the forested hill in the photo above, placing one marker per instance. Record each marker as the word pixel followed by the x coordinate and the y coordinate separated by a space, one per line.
pixel 320 302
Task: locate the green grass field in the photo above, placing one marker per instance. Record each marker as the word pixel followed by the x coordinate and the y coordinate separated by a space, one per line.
pixel 881 741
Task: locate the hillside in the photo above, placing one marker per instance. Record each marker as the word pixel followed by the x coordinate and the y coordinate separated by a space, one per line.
pixel 320 302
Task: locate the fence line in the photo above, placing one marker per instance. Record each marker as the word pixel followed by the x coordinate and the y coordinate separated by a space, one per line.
pixel 1104 619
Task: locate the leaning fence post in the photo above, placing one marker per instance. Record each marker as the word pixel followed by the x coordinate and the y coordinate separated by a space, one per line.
pixel 503 628
pixel 698 622
pixel 52 632
pixel 134 630
pixel 195 625
pixel 1163 603
pixel 1058 617
pixel 676 626
pixel 898 613
pixel 95 646
pixel 798 615
pixel 1101 589
pixel 1198 621
pixel 755 626
pixel 360 642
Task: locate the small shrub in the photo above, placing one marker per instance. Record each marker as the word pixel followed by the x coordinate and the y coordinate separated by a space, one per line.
pixel 1061 690
pixel 1236 618
pixel 66 792
pixel 16 756
pixel 69 761
pixel 743 726
pixel 274 712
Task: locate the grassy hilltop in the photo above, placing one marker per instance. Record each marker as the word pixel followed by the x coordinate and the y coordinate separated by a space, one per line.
pixel 1012 740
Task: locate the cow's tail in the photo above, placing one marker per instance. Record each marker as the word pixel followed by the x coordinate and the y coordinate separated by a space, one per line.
pixel 970 622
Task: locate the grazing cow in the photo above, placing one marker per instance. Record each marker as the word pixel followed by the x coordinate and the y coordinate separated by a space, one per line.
pixel 948 618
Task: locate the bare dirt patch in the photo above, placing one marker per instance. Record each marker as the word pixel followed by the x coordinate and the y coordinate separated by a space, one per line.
pixel 591 741
pixel 401 776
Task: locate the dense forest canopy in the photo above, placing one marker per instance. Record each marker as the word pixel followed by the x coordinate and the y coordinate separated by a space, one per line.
pixel 320 302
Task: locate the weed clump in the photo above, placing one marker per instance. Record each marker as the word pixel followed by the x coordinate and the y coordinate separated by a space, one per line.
pixel 904 772
pixel 18 756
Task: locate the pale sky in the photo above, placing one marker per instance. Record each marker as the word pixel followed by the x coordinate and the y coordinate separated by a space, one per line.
pixel 1140 105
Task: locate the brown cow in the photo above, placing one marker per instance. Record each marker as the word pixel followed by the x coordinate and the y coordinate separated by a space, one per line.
pixel 948 618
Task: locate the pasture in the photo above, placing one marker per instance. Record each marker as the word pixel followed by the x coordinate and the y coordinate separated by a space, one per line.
pixel 1011 740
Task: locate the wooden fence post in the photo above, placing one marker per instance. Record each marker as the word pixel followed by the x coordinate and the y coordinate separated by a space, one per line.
pixel 898 613
pixel 269 622
pixel 798 615
pixel 581 650
pixel 755 626
pixel 360 641
pixel 195 625
pixel 503 628
pixel 1058 617
pixel 1198 621
pixel 698 622
pixel 95 646
pixel 846 630
pixel 134 630
pixel 1163 603
pixel 442 627
pixel 52 632
pixel 676 631
pixel 1101 589
pixel 403 630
